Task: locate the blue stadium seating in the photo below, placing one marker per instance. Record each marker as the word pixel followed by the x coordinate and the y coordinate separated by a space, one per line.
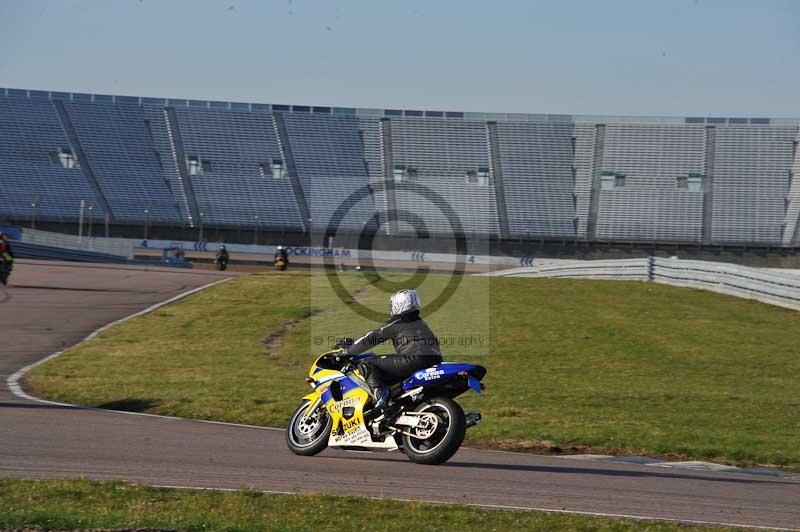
pixel 178 162
pixel 32 181
pixel 233 190
pixel 537 174
pixel 120 151
pixel 330 164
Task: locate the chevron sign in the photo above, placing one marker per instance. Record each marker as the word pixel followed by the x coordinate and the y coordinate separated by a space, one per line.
pixel 526 261
pixel 418 256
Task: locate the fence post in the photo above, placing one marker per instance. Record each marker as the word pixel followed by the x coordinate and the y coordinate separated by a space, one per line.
pixel 651 268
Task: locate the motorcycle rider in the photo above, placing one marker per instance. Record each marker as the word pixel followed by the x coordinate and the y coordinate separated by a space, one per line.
pixel 6 258
pixel 222 256
pixel 416 346
pixel 282 255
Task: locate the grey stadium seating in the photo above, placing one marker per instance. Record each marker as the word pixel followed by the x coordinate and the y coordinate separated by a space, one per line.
pixel 182 163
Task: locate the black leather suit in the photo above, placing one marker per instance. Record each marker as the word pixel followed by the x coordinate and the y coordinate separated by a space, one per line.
pixel 416 345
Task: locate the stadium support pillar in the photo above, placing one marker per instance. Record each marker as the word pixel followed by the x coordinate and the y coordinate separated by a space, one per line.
pixel 388 175
pixel 597 172
pixel 496 169
pixel 83 160
pixel 708 185
pixel 288 156
pixel 178 153
pixel 80 221
pixel 791 228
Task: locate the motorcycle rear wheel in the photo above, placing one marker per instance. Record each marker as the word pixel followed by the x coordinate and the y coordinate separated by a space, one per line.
pixel 308 436
pixel 445 440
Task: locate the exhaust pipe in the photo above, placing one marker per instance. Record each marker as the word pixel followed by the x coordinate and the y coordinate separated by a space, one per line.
pixel 473 418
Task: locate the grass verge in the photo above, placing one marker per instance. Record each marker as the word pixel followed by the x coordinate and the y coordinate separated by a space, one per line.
pixel 80 504
pixel 613 367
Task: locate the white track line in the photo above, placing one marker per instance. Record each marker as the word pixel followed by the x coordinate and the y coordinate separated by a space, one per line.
pixel 497 507
pixel 16 389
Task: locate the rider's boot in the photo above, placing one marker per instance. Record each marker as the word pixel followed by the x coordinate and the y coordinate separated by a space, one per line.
pixel 381 397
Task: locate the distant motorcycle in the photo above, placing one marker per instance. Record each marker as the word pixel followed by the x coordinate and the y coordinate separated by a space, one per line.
pixel 281 259
pixel 421 417
pixel 5 271
pixel 222 258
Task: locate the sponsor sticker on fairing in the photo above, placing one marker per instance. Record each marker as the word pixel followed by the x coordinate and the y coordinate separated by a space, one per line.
pixel 430 374
pixel 356 436
pixel 350 425
pixel 350 401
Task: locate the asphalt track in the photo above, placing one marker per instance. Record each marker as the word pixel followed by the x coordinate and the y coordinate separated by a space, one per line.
pixel 53 305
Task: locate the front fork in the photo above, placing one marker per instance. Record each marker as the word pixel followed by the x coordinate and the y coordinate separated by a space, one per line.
pixel 314 400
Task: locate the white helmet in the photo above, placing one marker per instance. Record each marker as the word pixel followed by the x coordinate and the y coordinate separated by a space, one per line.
pixel 404 301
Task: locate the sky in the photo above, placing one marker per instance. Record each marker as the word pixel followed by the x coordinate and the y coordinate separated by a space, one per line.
pixel 638 57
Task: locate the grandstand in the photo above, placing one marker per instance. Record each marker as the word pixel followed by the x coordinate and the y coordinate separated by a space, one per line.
pixel 190 163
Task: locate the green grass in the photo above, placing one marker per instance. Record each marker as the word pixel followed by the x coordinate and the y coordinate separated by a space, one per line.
pixel 72 504
pixel 610 366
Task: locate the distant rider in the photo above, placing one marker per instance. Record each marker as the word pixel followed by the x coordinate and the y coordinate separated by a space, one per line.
pixel 416 345
pixel 282 256
pixel 6 258
pixel 222 257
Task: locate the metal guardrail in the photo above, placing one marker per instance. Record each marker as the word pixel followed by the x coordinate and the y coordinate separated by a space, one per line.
pixel 770 287
pixel 767 286
pixel 111 246
pixel 25 250
pixel 625 269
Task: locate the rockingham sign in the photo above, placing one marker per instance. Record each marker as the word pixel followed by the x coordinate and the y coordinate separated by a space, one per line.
pixel 320 252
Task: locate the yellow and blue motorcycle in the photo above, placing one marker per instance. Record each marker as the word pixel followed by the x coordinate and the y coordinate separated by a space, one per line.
pixel 421 418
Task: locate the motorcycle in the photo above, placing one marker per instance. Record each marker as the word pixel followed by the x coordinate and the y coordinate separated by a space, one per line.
pixel 5 270
pixel 222 264
pixel 420 418
pixel 280 264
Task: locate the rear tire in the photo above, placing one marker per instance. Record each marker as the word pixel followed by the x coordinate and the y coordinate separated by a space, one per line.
pixel 308 436
pixel 445 440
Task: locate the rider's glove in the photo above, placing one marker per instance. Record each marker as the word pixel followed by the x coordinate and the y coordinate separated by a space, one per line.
pixel 344 343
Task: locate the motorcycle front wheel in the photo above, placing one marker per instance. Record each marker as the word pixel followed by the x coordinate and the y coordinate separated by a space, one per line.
pixel 308 435
pixel 440 432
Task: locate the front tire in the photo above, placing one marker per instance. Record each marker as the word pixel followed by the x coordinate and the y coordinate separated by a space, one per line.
pixel 444 440
pixel 308 436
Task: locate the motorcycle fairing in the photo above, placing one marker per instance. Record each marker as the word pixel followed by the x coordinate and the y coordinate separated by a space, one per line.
pixel 446 371
pixel 348 428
